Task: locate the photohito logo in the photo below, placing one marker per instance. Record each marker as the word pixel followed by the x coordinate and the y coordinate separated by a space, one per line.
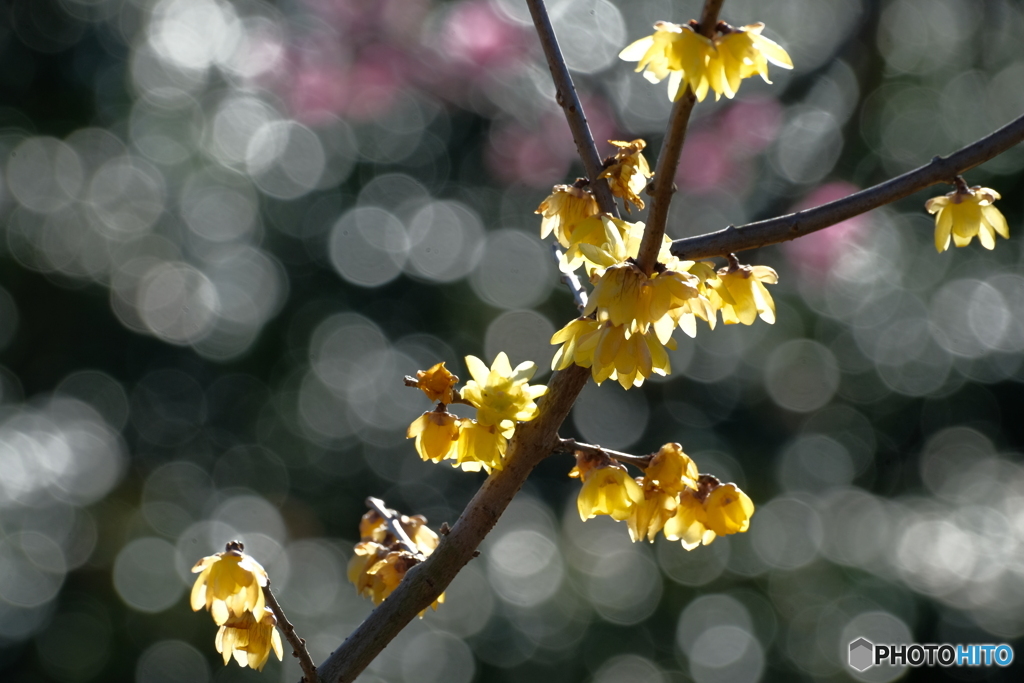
pixel 864 654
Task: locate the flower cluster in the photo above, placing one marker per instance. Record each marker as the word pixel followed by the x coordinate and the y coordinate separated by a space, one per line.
pixel 230 585
pixel 671 497
pixel 501 396
pixel 687 58
pixel 381 558
pixel 630 317
pixel 965 213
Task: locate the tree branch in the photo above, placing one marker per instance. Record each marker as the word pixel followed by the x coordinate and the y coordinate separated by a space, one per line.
pixel 531 443
pixel 569 101
pixel 791 226
pixel 664 186
pixel 572 446
pixel 568 277
pixel 298 644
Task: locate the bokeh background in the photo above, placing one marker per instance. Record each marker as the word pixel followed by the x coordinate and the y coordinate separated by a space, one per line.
pixel 229 228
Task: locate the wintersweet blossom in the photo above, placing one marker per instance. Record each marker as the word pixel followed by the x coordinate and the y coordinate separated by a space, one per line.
pixel 742 295
pixel 481 446
pixel 250 639
pixel 668 474
pixel 964 213
pixel 607 488
pixel 229 584
pixel 627 175
pixel 713 509
pixel 436 433
pixel 687 58
pixel 740 53
pixel 563 210
pixel 437 383
pixel 500 393
pixel 675 52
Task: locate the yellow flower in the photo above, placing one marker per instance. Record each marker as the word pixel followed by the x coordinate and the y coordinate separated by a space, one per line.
pixel 501 394
pixel 564 208
pixel 249 639
pixel 964 213
pixel 437 383
pixel 740 53
pixel 688 523
pixel 436 435
pixel 742 295
pixel 648 518
pixel 674 52
pixel 481 446
pixel 727 510
pixel 627 359
pixel 229 584
pixel 627 176
pixel 625 296
pixel 420 534
pixel 570 337
pixel 671 470
pixel 607 490
pixel 713 509
pixel 687 58
pixel 603 241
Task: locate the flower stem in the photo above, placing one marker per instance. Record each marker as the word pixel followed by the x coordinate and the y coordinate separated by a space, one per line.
pixel 573 446
pixel 663 185
pixel 298 644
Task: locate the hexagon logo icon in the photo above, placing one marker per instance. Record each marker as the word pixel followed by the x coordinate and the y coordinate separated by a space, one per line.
pixel 862 654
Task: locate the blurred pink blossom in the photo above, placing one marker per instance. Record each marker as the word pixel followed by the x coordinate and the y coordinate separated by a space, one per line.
pixel 815 254
pixel 478 36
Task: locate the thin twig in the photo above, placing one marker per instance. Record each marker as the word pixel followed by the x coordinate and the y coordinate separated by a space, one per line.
pixel 424 582
pixel 298 644
pixel 663 185
pixel 791 226
pixel 568 277
pixel 565 95
pixel 572 445
pixel 394 522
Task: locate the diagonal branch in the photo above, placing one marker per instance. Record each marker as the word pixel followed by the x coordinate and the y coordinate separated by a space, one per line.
pixel 298 644
pixel 565 95
pixel 663 186
pixel 791 226
pixel 423 583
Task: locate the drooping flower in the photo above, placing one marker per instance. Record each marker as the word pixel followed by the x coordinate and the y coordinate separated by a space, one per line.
pixel 607 488
pixel 481 446
pixel 570 337
pixel 250 640
pixel 668 474
pixel 437 433
pixel 437 383
pixel 563 209
pixel 688 58
pixel 229 584
pixel 964 213
pixel 628 174
pixel 675 52
pixel 713 509
pixel 743 296
pixel 740 53
pixel 500 393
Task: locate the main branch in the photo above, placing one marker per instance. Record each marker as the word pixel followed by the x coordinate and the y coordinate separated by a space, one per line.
pixel 664 185
pixel 533 441
pixel 791 226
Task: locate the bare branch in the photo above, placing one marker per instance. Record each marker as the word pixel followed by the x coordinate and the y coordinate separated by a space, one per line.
pixel 299 650
pixel 572 446
pixel 791 226
pixel 568 277
pixel 663 186
pixel 425 582
pixel 565 95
